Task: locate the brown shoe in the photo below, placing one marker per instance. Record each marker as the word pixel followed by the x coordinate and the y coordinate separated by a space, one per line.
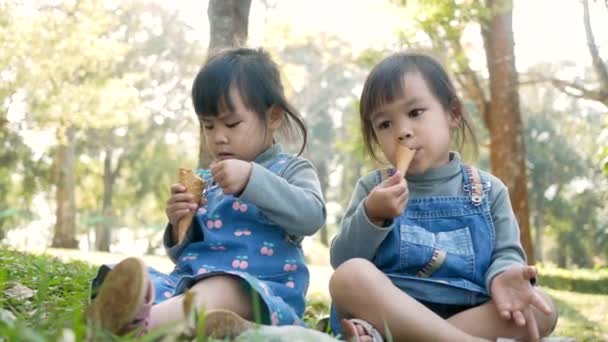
pixel 124 299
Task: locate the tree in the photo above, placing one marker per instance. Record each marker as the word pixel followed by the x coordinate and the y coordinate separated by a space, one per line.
pixel 507 146
pixel 577 88
pixel 69 86
pixel 229 25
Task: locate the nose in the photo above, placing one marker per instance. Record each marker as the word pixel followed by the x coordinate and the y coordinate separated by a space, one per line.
pixel 405 133
pixel 219 136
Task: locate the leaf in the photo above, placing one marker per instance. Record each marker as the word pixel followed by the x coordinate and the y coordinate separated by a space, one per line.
pixel 19 292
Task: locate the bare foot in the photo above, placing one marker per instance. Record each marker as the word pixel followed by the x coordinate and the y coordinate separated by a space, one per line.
pixel 356 330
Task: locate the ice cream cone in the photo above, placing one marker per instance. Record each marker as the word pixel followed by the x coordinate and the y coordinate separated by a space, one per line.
pixel 195 186
pixel 403 158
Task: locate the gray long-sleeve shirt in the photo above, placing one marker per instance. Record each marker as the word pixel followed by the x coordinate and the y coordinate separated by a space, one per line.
pixel 360 238
pixel 292 200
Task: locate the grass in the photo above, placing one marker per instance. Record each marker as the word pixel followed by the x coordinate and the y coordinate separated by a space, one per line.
pixel 56 310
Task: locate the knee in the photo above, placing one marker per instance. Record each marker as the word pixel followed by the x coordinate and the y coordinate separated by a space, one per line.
pixel 547 323
pixel 223 292
pixel 352 275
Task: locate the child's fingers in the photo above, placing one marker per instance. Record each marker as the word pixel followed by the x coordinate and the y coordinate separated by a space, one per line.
pixel 392 180
pixel 519 318
pixel 505 314
pixel 539 302
pixel 531 325
pixel 179 198
pixel 530 272
pixel 203 201
pixel 177 188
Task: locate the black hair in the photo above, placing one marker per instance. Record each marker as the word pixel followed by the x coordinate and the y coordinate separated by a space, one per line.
pixel 384 85
pixel 255 76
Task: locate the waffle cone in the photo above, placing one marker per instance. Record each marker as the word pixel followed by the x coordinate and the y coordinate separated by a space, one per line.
pixel 195 186
pixel 403 158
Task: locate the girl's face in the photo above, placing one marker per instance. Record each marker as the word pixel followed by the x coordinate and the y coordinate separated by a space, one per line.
pixel 417 120
pixel 240 134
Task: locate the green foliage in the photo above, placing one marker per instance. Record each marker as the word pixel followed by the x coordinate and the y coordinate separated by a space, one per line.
pixel 58 304
pixel 577 280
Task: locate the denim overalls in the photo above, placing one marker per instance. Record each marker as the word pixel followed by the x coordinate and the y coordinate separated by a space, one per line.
pixel 440 247
pixel 238 239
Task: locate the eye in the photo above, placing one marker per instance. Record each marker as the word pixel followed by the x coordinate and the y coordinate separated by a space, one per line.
pixel 208 127
pixel 383 125
pixel 414 113
pixel 232 125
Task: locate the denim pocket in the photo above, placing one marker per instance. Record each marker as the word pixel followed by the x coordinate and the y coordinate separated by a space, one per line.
pixel 418 245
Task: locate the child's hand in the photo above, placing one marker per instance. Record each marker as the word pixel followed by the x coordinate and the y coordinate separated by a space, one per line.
pixel 181 203
pixel 514 298
pixel 232 175
pixel 388 199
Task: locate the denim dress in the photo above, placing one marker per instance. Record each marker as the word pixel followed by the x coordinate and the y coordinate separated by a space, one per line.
pixel 239 240
pixel 440 247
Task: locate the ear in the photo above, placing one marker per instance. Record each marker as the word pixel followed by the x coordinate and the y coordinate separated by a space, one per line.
pixel 276 117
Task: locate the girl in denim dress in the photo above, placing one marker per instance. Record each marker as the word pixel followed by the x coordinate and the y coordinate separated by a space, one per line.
pixel 242 257
pixel 432 255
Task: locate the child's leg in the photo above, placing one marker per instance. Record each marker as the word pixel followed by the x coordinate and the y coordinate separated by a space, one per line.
pixel 360 290
pixel 485 321
pixel 218 292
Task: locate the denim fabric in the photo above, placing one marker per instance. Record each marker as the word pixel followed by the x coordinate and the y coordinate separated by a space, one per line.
pixel 440 247
pixel 239 240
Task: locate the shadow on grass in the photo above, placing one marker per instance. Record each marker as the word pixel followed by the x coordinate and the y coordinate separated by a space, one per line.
pixel 572 323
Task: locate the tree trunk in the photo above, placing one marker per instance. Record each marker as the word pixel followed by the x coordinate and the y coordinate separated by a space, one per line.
pixel 539 229
pixel 598 63
pixel 507 148
pixel 65 225
pixel 102 231
pixel 228 27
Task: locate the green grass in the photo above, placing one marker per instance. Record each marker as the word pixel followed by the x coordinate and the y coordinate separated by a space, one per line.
pixel 581 315
pixel 61 290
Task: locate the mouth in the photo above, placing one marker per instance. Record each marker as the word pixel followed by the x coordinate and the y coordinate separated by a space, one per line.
pixel 225 155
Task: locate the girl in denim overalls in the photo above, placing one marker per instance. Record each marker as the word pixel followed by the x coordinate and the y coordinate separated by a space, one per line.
pixel 242 258
pixel 434 254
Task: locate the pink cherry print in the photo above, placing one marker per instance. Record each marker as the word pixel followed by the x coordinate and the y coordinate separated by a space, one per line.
pixel 287 268
pixel 246 232
pixel 238 233
pixel 294 267
pixel 264 250
pixel 210 224
pixel 235 205
pixel 218 224
pixel 243 208
pixel 274 318
pixel 290 284
pixel 221 248
pixel 202 270
pixel 244 265
pixel 202 210
pixel 270 252
pixel 235 263
pixel 167 294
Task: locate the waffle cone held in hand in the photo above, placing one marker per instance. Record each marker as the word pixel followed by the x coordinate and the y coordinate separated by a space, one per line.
pixel 195 186
pixel 403 158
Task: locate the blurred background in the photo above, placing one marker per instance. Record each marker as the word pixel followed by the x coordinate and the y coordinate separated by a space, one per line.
pixel 96 111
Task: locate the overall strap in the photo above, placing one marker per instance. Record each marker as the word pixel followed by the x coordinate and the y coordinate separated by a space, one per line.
pixel 280 162
pixel 473 184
